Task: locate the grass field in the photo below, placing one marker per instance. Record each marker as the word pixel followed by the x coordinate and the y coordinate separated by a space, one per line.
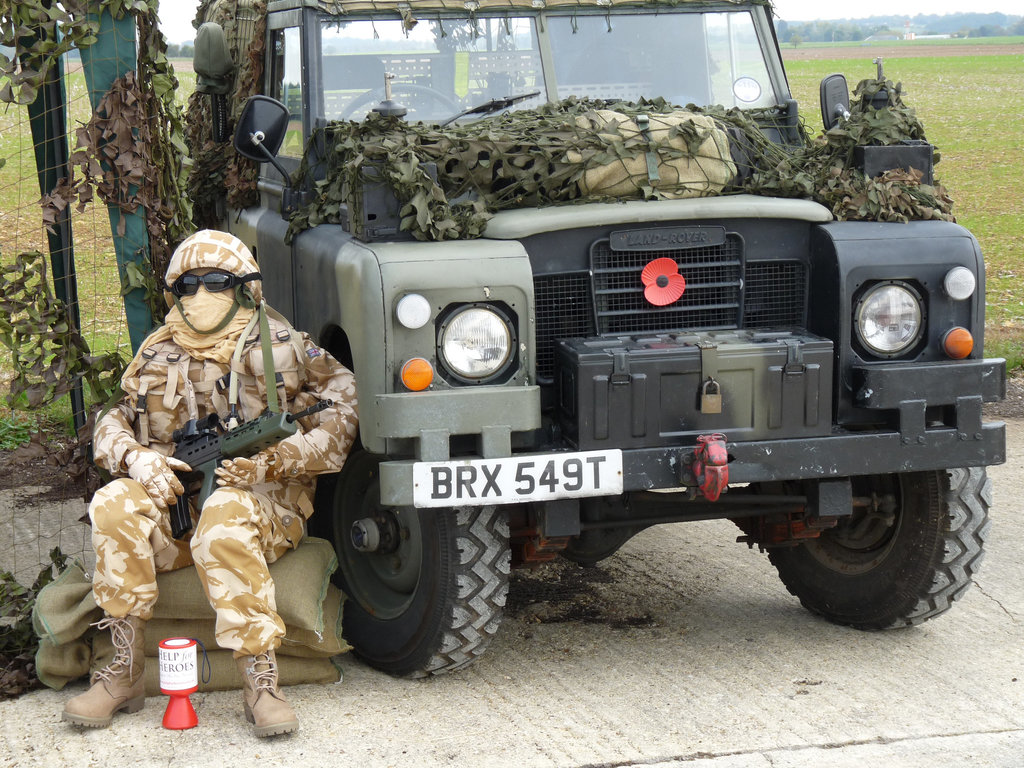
pixel 969 107
pixel 787 48
pixel 968 104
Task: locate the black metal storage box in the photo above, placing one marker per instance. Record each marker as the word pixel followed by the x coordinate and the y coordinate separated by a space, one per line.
pixel 650 391
pixel 912 153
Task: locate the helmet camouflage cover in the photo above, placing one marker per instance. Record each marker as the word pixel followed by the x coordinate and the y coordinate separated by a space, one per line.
pixel 212 249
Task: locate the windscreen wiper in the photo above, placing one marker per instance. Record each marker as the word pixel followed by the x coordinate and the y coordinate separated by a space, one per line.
pixel 493 105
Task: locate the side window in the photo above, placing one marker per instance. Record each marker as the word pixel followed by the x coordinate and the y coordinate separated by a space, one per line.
pixel 287 68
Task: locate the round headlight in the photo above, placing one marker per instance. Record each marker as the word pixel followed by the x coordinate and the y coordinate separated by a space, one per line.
pixel 959 283
pixel 476 343
pixel 889 319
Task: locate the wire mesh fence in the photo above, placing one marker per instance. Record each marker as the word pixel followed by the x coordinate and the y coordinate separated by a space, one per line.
pixel 37 513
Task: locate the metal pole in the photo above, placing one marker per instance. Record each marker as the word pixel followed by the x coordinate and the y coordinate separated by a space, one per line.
pixel 48 118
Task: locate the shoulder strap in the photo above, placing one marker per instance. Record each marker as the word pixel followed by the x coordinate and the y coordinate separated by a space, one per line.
pixel 269 375
pixel 236 358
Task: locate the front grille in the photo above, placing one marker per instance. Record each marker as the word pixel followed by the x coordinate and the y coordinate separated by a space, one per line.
pixel 564 311
pixel 722 291
pixel 775 294
pixel 714 280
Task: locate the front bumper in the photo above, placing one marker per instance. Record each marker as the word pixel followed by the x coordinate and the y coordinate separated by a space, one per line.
pixel 838 455
pixel 964 440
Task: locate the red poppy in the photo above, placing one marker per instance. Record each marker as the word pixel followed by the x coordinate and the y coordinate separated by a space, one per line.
pixel 663 282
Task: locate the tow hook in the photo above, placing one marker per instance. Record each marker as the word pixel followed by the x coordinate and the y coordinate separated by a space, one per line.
pixel 711 465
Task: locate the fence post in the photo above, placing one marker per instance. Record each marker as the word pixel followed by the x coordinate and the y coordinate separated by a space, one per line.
pixel 48 120
pixel 110 57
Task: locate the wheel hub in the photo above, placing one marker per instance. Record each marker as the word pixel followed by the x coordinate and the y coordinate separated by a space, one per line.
pixel 862 541
pixel 382 558
pixel 380 533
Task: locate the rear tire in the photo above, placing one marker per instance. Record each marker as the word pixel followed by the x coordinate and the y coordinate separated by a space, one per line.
pixel 897 566
pixel 432 604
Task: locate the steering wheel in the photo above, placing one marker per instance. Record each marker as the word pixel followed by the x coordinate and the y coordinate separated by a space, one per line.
pixel 374 96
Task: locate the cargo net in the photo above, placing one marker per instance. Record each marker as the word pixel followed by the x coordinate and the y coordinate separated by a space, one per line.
pixel 450 180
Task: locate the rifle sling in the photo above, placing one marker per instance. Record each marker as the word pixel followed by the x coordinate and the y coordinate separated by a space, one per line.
pixel 269 375
pixel 236 364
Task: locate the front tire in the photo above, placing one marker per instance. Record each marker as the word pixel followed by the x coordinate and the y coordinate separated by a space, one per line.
pixel 899 562
pixel 431 601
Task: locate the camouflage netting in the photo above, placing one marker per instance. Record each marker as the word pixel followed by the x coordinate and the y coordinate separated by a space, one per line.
pixel 219 174
pixel 823 170
pixel 450 180
pixel 129 154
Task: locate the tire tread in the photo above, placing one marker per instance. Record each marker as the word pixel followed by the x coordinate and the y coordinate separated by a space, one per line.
pixel 482 581
pixel 965 495
pixel 968 498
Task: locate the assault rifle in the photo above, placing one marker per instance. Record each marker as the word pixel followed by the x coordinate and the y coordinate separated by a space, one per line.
pixel 200 445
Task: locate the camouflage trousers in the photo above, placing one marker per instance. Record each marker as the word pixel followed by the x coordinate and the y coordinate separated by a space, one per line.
pixel 237 535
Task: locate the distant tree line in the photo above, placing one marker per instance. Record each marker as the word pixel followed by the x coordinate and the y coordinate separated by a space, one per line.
pixel 850 30
pixel 180 50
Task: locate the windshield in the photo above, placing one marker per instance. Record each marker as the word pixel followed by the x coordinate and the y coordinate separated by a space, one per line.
pixel 444 66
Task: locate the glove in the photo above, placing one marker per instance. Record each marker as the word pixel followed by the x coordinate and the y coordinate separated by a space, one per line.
pixel 263 467
pixel 156 473
pixel 285 459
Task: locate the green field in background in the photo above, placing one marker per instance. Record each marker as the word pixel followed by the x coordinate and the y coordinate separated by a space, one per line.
pixel 969 106
pixel 868 45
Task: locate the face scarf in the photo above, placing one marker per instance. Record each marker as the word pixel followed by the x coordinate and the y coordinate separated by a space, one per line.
pixel 207 325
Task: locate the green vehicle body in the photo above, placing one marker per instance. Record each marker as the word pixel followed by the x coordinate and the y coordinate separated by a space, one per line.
pixel 807 413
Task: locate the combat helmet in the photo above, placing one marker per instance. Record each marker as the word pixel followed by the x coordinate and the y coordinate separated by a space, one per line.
pixel 212 249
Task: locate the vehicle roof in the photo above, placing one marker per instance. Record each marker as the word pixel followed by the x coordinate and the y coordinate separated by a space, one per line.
pixel 405 7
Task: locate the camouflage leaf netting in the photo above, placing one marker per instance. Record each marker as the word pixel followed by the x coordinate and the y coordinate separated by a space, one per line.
pixel 823 170
pixel 47 351
pixel 18 641
pixel 39 33
pixel 130 154
pixel 450 180
pixel 121 159
pixel 220 176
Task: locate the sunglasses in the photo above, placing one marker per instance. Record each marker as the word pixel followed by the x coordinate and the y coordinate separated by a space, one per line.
pixel 214 282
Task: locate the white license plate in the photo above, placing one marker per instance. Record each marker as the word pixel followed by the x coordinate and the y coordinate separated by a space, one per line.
pixel 474 482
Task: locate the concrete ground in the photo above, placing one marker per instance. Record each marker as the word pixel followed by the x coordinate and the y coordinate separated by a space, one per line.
pixel 694 656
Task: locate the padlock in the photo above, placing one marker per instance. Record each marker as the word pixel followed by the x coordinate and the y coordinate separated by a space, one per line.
pixel 711 397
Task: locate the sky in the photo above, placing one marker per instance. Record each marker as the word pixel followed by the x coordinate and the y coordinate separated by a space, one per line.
pixel 176 15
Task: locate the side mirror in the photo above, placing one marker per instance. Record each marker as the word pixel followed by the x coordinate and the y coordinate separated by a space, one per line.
pixel 259 135
pixel 261 129
pixel 835 100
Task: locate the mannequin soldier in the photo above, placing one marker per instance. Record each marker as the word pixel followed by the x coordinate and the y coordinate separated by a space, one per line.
pixel 210 356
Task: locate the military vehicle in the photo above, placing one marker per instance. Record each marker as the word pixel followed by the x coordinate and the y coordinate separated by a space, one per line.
pixel 579 373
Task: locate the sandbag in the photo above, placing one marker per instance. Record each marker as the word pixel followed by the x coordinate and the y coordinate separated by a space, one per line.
pixel 222 674
pixel 300 585
pixel 291 670
pixel 296 642
pixel 64 608
pixel 309 605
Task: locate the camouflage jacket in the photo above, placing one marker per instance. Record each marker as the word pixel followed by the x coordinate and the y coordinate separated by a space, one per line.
pixel 170 388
